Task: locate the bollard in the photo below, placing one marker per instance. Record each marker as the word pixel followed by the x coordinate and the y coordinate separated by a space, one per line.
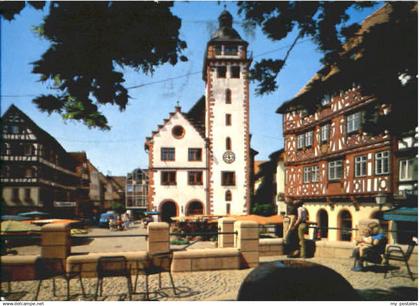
pixel 247 242
pixel 55 241
pixel 158 237
pixel 226 240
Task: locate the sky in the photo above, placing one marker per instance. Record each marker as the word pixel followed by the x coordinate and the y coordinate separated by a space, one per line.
pixel 120 150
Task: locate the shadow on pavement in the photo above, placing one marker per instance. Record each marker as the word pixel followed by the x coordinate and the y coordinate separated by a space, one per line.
pixel 393 294
pixel 13 296
pixel 80 241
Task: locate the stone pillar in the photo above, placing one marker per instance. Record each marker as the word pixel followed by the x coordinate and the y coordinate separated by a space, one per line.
pixel 158 237
pixel 226 240
pixel 55 241
pixel 247 242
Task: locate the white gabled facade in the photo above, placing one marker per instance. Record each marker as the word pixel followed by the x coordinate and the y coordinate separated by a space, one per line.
pixel 178 195
pixel 218 125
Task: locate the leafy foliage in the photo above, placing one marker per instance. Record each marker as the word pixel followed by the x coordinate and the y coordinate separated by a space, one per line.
pixel 382 60
pixel 263 209
pixel 118 207
pixel 91 42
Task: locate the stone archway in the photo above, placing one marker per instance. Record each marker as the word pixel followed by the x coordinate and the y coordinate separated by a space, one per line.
pixel 322 221
pixel 345 223
pixel 194 208
pixel 167 210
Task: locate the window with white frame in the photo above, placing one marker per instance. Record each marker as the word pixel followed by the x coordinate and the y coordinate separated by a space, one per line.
pixel 382 163
pixel 300 141
pixel 308 138
pixel 325 133
pixel 335 170
pixel 307 174
pixel 360 166
pixel 311 174
pixel 315 174
pixel 408 169
pixel 354 122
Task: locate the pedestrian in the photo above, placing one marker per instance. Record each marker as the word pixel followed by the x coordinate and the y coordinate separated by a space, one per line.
pixel 112 223
pixel 291 239
pixel 301 227
pixel 369 247
pixel 125 220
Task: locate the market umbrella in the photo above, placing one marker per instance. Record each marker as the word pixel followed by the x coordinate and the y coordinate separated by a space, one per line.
pixel 13 217
pixel 261 220
pixel 12 226
pixel 34 214
pixel 53 221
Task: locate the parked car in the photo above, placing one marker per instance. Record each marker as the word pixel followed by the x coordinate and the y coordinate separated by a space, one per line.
pixel 104 218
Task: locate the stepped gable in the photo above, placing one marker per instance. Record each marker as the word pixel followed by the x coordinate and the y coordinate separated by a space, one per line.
pixel 195 116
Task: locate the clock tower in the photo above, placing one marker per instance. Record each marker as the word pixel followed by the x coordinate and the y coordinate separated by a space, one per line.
pixel 225 72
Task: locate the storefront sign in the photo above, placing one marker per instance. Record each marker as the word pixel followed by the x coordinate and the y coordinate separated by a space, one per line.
pixel 64 204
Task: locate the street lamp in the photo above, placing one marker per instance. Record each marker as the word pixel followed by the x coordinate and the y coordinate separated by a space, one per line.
pixel 380 199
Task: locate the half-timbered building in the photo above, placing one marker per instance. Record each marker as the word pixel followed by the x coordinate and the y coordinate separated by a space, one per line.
pixel 36 172
pixel 341 173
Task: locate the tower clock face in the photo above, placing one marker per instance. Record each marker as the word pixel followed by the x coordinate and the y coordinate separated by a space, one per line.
pixel 229 157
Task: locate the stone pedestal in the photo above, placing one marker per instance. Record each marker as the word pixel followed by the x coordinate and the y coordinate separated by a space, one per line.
pixel 158 239
pixel 247 242
pixel 225 225
pixel 55 241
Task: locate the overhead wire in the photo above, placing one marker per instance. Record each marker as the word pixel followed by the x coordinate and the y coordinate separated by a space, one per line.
pixel 166 79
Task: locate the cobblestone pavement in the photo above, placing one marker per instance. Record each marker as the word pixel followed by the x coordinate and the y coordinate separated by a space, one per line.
pixel 223 285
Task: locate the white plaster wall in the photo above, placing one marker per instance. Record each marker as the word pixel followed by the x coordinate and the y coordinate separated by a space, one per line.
pixel 236 132
pixel 280 181
pixel 191 139
pixel 181 193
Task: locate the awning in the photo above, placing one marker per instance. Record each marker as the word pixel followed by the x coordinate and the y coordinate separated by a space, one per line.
pixel 403 213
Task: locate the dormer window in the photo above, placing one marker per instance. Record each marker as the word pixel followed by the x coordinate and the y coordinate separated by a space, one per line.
pixel 218 50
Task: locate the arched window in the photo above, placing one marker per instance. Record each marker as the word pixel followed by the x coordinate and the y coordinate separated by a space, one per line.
pixel 228 195
pixel 228 143
pixel 345 225
pixel 228 96
pixel 322 221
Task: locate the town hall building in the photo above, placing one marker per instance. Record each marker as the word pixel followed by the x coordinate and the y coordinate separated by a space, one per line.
pixel 200 160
